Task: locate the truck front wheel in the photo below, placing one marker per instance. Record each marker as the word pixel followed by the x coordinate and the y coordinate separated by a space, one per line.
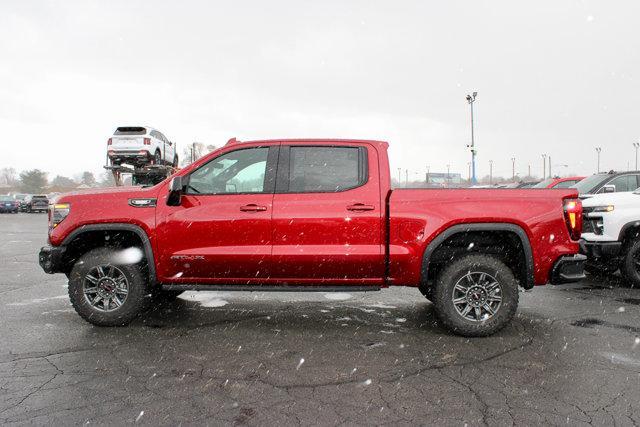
pixel 476 295
pixel 105 292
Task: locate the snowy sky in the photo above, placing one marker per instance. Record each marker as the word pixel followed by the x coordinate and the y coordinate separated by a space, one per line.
pixel 556 77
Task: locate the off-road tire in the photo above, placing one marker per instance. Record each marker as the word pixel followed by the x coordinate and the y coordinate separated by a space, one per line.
pixel 453 273
pixel 630 266
pixel 175 161
pixel 137 298
pixel 157 158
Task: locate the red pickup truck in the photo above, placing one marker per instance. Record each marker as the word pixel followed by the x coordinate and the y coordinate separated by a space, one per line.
pixel 311 215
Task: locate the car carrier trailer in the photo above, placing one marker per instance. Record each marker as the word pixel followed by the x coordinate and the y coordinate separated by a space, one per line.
pixel 146 176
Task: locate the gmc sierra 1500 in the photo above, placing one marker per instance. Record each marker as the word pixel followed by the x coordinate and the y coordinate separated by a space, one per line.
pixel 315 215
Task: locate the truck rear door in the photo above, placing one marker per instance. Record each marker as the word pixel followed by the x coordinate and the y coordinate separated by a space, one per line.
pixel 327 215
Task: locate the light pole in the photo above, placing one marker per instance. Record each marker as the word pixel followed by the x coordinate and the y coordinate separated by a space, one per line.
pixel 427 176
pixel 598 150
pixel 529 166
pixel 471 99
pixel 636 145
pixel 544 167
pixel 399 177
pixel 513 169
pixel 490 172
pixel 448 176
pixel 549 165
pixel 406 177
pixel 469 165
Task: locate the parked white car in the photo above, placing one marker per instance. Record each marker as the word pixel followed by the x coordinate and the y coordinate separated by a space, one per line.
pixel 139 146
pixel 611 234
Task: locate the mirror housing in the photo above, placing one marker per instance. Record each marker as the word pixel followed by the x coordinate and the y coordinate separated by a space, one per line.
pixel 609 188
pixel 176 189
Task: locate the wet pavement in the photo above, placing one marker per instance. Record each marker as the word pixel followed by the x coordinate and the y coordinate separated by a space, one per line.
pixel 571 357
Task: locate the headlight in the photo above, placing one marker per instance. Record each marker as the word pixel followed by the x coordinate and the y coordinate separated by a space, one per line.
pixel 608 208
pixel 59 211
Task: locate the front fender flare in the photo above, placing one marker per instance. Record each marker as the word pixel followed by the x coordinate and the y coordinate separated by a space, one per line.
pixel 116 226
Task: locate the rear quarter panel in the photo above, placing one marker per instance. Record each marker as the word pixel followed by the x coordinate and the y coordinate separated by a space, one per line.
pixel 419 216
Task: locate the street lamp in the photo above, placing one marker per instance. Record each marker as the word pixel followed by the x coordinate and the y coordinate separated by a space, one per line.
pixel 490 172
pixel 636 145
pixel 471 99
pixel 399 177
pixel 544 167
pixel 598 150
pixel 513 169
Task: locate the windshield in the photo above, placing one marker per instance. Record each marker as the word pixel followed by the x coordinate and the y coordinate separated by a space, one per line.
pixel 588 184
pixel 6 199
pixel 544 184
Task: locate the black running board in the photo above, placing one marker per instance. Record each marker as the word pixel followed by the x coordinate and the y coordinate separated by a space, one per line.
pixel 268 288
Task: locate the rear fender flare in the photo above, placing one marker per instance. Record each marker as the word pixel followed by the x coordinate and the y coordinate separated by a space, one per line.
pixel 492 226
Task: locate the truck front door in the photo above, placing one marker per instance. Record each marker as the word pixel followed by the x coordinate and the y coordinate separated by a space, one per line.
pixel 222 230
pixel 327 216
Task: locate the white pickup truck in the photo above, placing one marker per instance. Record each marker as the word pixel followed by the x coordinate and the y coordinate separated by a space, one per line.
pixel 611 234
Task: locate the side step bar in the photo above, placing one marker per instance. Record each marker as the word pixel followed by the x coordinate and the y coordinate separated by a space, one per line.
pixel 267 288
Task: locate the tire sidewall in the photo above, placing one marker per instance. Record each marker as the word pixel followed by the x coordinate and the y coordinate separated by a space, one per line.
pixel 457 270
pixel 629 265
pixel 137 297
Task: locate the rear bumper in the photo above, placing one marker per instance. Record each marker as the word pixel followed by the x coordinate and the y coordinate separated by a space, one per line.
pixel 568 269
pixel 600 250
pixel 50 259
pixel 141 154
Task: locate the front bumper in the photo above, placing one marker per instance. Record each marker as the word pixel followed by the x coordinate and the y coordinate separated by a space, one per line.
pixel 568 269
pixel 50 259
pixel 600 250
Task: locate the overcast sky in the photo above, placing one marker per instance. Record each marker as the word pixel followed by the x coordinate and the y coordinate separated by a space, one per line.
pixel 556 77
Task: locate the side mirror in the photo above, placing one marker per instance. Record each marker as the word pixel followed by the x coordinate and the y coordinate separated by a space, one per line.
pixel 609 188
pixel 175 191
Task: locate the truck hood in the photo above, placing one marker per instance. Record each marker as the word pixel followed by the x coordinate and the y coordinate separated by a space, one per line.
pixel 611 199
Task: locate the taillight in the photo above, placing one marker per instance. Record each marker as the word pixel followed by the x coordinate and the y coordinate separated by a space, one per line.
pixel 147 141
pixel 573 217
pixel 110 141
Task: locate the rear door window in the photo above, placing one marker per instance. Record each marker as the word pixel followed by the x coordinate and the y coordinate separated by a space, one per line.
pixel 324 169
pixel 134 130
pixel 565 184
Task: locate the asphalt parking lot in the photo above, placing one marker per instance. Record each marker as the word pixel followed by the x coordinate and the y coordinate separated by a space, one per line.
pixel 571 357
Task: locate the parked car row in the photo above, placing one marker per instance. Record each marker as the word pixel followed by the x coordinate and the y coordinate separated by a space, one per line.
pixel 24 203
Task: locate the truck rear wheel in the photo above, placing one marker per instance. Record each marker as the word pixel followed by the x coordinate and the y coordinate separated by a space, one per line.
pixel 476 295
pixel 630 266
pixel 105 293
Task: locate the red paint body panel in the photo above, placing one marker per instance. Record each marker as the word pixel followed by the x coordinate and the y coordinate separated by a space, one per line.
pixel 312 238
pixel 419 216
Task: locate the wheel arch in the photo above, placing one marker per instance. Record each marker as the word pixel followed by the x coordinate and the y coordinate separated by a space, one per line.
pixel 627 231
pixel 526 277
pixel 114 228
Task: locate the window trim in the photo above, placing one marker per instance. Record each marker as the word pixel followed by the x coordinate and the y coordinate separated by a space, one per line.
pixel 269 174
pixel 284 162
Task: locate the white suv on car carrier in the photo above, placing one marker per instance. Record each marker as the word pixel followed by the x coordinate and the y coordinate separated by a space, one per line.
pixel 140 146
pixel 611 234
